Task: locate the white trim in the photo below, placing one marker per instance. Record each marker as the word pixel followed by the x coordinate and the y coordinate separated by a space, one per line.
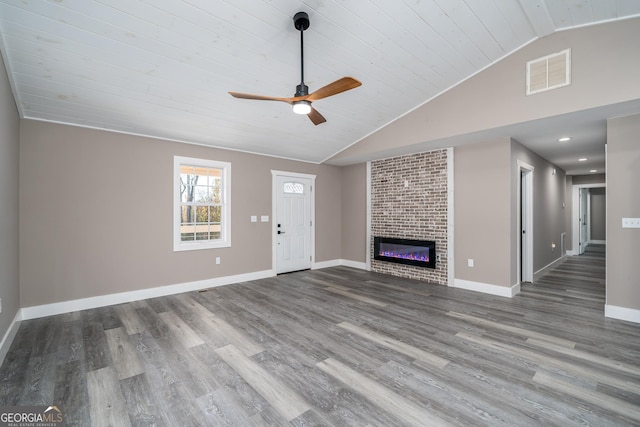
pixel 622 313
pixel 274 203
pixel 368 219
pixel 9 336
pixel 123 297
pixel 487 288
pixel 338 263
pixel 451 273
pixel 598 242
pixel 575 213
pixel 529 169
pixel 571 253
pixel 225 241
pixel 548 267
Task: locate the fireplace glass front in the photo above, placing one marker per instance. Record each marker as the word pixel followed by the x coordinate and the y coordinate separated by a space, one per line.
pixel 420 253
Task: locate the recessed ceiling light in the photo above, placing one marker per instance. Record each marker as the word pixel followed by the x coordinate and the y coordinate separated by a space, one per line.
pixel 593 170
pixel 583 159
pixel 564 139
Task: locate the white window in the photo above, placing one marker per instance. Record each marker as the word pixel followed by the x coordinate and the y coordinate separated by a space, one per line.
pixel 293 188
pixel 202 204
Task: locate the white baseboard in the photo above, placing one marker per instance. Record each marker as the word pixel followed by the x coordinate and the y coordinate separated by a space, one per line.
pixel 548 267
pixel 339 262
pixel 487 288
pixel 354 264
pixel 571 253
pixel 622 313
pixel 123 297
pixel 9 336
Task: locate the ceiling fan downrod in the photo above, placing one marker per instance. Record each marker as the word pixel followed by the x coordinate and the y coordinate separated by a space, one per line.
pixel 301 22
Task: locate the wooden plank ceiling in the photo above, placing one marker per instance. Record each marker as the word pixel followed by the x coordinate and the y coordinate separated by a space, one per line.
pixel 163 68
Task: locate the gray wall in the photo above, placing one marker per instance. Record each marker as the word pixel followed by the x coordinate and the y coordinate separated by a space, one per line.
pixel 482 212
pixel 598 214
pixel 354 211
pixel 97 213
pixel 9 213
pixel 486 181
pixel 623 201
pixel 597 178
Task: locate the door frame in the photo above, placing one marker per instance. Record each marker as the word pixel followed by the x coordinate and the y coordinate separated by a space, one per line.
pixel 575 215
pixel 274 201
pixel 525 257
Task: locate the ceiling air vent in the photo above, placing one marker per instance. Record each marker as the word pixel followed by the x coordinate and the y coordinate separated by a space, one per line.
pixel 549 72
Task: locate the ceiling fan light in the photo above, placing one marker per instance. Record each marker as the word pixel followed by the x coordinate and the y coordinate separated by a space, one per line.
pixel 302 107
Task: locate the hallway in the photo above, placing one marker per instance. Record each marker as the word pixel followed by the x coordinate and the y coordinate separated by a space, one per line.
pixel 578 283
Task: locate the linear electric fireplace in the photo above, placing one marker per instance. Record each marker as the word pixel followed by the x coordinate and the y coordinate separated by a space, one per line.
pixel 405 251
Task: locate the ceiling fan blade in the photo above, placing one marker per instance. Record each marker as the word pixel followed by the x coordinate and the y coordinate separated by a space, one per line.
pixel 260 97
pixel 340 85
pixel 316 117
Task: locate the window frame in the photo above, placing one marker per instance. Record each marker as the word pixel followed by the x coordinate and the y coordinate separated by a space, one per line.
pixel 225 215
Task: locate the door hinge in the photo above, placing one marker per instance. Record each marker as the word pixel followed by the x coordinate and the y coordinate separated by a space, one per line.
pixel 310 223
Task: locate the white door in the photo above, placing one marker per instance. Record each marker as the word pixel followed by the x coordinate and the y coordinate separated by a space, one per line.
pixel 584 219
pixel 293 223
pixel 526 225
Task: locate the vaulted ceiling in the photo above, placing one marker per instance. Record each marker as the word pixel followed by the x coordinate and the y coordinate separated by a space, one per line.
pixel 163 68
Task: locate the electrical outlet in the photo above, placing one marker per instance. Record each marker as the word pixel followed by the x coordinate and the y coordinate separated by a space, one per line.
pixel 254 218
pixel 217 260
pixel 470 262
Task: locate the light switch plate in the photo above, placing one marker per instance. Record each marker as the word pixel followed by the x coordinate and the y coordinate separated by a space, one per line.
pixel 630 222
pixel 264 218
pixel 254 218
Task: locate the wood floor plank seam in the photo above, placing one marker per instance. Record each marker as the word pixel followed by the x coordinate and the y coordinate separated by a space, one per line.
pixel 545 360
pixel 278 394
pixel 520 331
pixel 630 410
pixel 396 345
pixel 387 399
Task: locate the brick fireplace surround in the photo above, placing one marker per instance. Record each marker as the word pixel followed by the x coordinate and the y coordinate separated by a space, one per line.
pixel 409 200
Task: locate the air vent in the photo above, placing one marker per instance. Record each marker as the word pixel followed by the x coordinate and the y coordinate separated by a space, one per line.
pixel 549 72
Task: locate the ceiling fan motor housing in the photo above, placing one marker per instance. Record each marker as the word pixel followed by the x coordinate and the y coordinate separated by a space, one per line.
pixel 301 21
pixel 302 90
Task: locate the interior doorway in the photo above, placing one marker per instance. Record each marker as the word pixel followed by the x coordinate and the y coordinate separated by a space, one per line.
pixel 293 221
pixel 525 222
pixel 583 220
pixel 581 217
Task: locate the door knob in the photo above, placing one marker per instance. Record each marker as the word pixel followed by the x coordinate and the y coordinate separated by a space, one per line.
pixel 280 232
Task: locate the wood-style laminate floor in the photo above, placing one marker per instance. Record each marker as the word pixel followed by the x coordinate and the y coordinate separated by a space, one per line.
pixel 339 347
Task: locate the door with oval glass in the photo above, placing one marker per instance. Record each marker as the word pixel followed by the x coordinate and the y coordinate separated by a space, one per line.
pixel 293 223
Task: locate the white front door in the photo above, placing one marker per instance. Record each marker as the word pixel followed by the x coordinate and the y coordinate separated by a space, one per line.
pixel 293 223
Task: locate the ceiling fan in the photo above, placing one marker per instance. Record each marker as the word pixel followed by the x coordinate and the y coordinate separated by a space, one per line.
pixel 302 99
